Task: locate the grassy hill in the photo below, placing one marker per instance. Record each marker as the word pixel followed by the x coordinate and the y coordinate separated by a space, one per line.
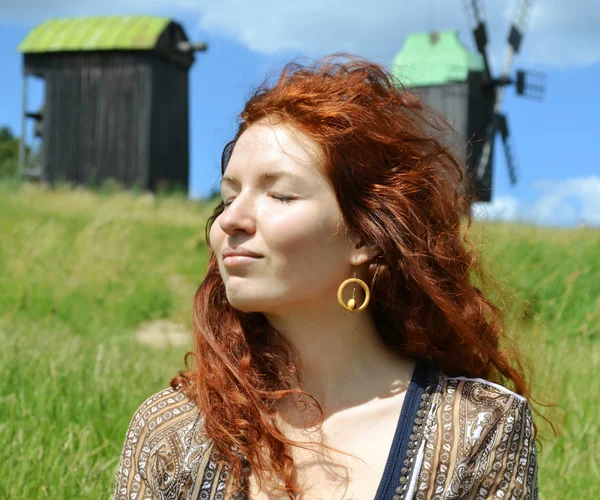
pixel 84 276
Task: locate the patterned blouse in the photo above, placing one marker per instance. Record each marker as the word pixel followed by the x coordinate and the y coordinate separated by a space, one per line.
pixel 457 438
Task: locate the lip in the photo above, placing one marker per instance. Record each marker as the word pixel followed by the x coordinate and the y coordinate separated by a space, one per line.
pixel 240 252
pixel 235 260
pixel 239 257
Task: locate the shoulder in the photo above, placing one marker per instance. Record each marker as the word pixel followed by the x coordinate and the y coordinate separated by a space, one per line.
pixel 480 411
pixel 490 389
pixel 480 394
pixel 162 410
pixel 480 439
pixel 162 414
pixel 164 430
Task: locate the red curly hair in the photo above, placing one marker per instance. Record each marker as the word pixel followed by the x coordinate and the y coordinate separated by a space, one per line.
pixel 398 186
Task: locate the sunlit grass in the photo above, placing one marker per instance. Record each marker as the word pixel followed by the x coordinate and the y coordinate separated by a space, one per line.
pixel 81 270
pixel 552 279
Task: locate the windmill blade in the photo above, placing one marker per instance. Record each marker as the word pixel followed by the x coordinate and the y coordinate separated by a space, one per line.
pixel 486 152
pixel 499 124
pixel 531 84
pixel 509 148
pixel 515 37
pixel 474 9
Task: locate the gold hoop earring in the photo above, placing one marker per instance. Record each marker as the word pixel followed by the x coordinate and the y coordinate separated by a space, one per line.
pixel 351 306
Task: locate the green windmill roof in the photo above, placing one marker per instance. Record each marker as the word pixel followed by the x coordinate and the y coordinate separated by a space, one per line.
pixel 95 33
pixel 434 59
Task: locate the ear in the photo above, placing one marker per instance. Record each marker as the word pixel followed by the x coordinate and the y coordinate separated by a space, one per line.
pixel 362 251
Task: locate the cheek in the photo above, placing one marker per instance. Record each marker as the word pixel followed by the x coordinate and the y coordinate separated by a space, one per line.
pixel 216 237
pixel 302 232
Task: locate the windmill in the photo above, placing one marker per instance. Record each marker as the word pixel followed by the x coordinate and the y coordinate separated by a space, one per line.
pixel 116 99
pixel 459 84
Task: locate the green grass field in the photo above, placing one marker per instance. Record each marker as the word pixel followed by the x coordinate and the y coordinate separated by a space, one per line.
pixel 81 271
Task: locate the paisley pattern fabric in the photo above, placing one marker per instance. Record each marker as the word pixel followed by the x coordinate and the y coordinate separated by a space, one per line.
pixel 167 455
pixel 477 443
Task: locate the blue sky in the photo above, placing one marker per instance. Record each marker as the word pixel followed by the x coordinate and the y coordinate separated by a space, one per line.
pixel 555 140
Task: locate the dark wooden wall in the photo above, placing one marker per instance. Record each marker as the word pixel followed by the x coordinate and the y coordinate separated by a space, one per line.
pixel 119 115
pixel 450 101
pixel 481 109
pixel 468 109
pixel 169 147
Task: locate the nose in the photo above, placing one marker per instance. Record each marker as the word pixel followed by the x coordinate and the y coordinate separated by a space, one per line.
pixel 238 216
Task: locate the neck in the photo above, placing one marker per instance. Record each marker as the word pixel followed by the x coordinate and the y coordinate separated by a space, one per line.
pixel 342 358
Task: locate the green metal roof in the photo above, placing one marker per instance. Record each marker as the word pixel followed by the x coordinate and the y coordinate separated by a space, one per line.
pixel 434 59
pixel 95 33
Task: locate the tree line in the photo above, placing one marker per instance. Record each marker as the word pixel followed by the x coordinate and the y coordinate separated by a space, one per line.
pixel 9 152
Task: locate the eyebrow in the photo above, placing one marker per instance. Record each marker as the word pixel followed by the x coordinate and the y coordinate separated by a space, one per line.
pixel 266 176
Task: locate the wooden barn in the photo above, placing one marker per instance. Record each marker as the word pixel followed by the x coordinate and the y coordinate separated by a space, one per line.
pixel 450 78
pixel 116 100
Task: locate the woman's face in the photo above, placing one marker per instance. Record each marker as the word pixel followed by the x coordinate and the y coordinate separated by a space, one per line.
pixel 280 206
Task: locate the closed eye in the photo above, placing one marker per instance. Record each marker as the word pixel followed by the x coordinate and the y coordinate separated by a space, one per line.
pixel 283 199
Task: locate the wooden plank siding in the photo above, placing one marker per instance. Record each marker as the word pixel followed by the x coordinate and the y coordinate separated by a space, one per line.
pixel 450 101
pixel 169 150
pixel 120 115
pixel 481 110
pixel 468 109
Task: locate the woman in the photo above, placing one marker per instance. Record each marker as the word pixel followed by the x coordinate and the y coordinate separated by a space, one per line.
pixel 342 349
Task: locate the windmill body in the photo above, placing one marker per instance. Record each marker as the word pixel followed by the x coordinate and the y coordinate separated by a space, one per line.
pixel 450 79
pixel 459 84
pixel 115 100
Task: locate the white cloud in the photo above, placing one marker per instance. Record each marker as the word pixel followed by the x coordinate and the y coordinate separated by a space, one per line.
pixel 564 33
pixel 561 33
pixel 504 208
pixel 574 201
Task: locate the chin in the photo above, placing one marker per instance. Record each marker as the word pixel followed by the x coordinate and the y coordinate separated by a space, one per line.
pixel 244 303
pixel 261 305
